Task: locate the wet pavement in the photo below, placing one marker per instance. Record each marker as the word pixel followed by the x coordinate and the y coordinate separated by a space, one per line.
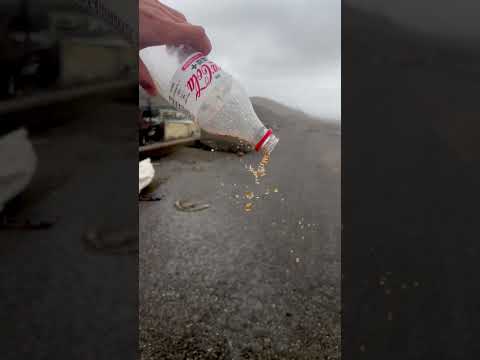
pixel 223 283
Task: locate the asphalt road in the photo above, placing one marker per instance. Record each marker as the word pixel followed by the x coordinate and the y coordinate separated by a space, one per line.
pixel 223 283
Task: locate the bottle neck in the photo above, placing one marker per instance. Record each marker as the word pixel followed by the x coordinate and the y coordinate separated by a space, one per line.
pixel 267 142
pixel 270 144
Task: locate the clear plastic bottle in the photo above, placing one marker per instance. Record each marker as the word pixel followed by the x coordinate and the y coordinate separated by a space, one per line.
pixel 193 83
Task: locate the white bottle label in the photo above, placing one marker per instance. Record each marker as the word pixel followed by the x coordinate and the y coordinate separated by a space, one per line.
pixel 192 82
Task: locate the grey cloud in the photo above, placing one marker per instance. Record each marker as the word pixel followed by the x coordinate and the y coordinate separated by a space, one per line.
pixel 307 30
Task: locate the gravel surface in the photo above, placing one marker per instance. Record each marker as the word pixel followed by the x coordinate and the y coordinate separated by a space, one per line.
pixel 222 283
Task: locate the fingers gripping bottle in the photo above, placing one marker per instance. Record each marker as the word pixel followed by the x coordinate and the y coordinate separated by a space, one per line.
pixel 194 84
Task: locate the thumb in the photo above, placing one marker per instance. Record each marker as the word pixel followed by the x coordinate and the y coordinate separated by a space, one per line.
pixel 192 35
pixel 145 80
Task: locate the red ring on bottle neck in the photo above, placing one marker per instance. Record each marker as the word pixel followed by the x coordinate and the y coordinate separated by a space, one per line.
pixel 263 139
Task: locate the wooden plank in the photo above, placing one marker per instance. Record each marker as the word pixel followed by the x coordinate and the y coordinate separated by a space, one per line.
pixel 167 144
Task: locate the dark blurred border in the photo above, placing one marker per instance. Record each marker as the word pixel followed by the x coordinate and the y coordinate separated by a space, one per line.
pixel 69 132
pixel 410 124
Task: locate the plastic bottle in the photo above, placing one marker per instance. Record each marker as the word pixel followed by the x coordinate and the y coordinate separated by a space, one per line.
pixel 193 83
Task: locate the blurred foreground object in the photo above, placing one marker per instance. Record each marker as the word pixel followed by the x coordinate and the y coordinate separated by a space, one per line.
pixel 146 172
pixel 17 164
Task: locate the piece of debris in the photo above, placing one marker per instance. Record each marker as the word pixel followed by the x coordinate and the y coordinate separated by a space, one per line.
pixel 146 173
pixel 189 206
pixel 249 195
pixel 198 168
pixel 148 197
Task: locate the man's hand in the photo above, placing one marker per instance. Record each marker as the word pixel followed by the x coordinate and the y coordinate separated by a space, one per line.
pixel 162 25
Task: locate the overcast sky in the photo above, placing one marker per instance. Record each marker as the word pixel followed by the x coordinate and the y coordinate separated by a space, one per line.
pixel 288 51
